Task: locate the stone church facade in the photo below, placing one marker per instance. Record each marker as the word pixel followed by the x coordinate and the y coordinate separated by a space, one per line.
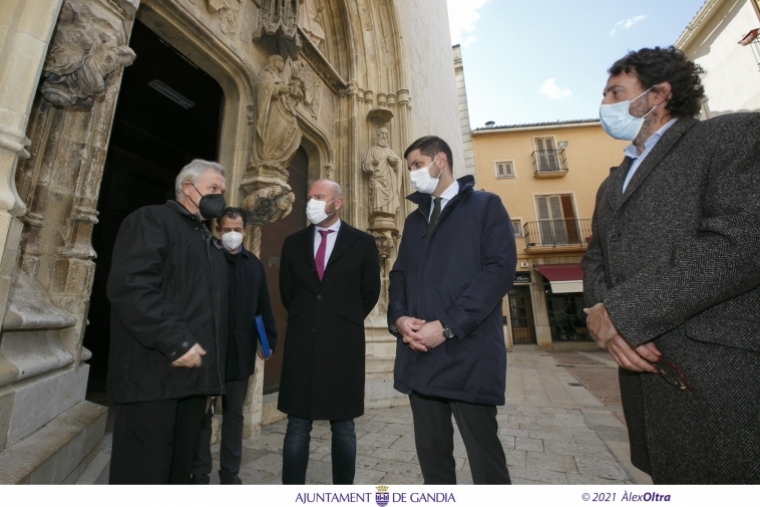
pixel 103 101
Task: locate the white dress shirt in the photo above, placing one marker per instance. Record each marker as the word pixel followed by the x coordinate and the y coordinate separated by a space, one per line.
pixel 447 195
pixel 330 239
pixel 649 144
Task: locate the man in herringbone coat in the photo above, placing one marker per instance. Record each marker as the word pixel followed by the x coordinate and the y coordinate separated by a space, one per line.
pixel 672 273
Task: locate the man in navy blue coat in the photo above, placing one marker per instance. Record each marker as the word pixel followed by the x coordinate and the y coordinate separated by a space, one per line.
pixel 455 264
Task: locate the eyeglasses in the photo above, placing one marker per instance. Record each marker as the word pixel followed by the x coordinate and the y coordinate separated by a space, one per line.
pixel 673 375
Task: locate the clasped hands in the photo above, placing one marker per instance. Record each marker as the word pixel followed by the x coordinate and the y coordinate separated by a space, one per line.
pixel 420 335
pixel 606 336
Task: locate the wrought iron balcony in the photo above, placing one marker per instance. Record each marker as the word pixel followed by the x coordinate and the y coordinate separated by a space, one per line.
pixel 549 163
pixel 554 233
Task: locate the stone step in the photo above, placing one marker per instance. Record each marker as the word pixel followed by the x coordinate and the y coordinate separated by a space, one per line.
pixel 97 471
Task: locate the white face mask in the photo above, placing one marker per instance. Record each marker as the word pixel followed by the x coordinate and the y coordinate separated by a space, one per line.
pixel 232 240
pixel 618 122
pixel 422 181
pixel 315 211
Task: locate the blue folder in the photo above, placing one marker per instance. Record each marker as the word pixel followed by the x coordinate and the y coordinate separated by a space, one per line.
pixel 262 336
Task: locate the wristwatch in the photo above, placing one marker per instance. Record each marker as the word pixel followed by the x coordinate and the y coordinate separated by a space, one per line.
pixel 447 332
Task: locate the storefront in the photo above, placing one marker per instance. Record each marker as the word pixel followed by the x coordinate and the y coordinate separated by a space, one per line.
pixel 564 301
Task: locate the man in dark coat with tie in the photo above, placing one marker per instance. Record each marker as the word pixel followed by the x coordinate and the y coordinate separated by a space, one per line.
pixel 329 282
pixel 672 273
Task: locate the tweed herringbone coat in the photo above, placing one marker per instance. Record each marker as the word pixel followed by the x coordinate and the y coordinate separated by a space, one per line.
pixel 676 260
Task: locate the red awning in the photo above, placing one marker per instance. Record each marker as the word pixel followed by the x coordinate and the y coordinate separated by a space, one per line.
pixel 563 278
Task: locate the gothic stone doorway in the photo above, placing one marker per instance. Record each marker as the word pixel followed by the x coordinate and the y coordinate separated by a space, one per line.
pixel 167 114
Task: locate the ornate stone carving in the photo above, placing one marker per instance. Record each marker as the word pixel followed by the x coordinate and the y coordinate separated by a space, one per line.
pixel 277 15
pixel 269 204
pixel 308 20
pixel 321 66
pixel 386 247
pixel 313 84
pixel 276 133
pixel 85 51
pixel 382 164
pixel 228 10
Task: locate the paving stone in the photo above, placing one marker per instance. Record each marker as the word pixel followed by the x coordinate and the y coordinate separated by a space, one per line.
pixel 364 476
pixel 252 476
pixel 394 455
pixel 404 444
pixel 272 442
pixel 538 474
pixel 398 479
pixel 271 463
pixel 553 462
pixel 369 426
pixel 319 472
pixel 249 455
pixel 397 429
pixel 573 449
pixel 398 467
pixel 529 444
pixel 605 469
pixel 378 440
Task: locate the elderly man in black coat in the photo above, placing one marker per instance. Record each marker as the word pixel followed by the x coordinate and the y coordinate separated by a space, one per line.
pixel 455 264
pixel 672 274
pixel 248 298
pixel 329 282
pixel 168 294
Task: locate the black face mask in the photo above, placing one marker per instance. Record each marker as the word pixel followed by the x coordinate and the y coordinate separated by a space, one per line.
pixel 211 205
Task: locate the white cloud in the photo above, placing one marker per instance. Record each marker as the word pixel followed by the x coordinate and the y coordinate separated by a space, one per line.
pixel 553 91
pixel 463 16
pixel 626 24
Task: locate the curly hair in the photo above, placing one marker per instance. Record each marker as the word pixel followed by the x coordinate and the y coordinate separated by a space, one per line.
pixel 654 66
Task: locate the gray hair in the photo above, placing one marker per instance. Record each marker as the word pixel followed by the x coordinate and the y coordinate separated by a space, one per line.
pixel 193 171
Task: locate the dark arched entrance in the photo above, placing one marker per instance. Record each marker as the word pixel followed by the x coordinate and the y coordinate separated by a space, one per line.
pixel 168 113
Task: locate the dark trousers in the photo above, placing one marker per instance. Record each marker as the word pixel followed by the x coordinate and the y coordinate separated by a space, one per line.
pixel 295 452
pixel 231 449
pixel 434 439
pixel 154 442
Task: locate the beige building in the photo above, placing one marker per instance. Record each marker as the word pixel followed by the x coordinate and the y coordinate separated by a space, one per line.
pixel 103 101
pixel 732 80
pixel 547 175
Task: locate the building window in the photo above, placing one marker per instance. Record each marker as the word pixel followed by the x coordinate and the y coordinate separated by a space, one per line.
pixel 547 158
pixel 518 228
pixel 505 169
pixel 557 223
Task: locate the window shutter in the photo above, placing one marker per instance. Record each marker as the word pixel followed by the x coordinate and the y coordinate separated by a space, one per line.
pixel 543 208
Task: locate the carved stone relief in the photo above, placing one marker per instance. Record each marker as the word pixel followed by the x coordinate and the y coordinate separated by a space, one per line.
pixel 269 204
pixel 308 20
pixel 85 51
pixel 313 85
pixel 229 12
pixel 383 167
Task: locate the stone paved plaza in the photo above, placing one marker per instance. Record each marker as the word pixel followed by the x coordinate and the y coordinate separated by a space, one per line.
pixel 561 425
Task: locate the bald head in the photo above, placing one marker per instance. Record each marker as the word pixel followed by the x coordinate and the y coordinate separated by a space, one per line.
pixel 331 193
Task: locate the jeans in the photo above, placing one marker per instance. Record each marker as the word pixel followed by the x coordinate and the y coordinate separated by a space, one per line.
pixel 231 448
pixel 295 452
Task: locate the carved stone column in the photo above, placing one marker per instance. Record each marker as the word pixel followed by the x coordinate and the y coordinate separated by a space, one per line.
pixel 45 313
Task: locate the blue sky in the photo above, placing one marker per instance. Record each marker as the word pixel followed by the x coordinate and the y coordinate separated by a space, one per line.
pixel 529 61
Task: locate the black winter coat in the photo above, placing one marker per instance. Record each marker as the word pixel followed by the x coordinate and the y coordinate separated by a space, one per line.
pixel 323 364
pixel 459 275
pixel 252 298
pixel 168 291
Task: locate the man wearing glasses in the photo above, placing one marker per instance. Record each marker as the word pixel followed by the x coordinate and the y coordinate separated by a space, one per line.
pixel 672 273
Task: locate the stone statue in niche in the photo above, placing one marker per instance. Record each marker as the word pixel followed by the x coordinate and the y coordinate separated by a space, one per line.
pixel 85 51
pixel 382 164
pixel 276 132
pixel 308 20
